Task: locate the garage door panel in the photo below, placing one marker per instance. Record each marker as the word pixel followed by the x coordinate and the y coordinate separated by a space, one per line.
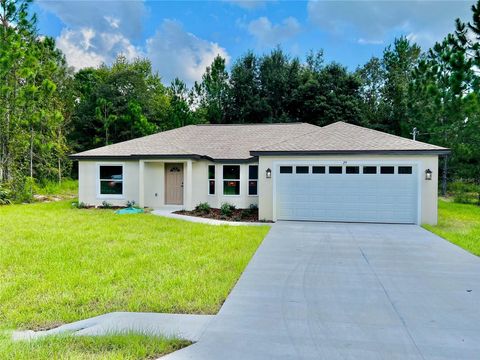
pixel 347 197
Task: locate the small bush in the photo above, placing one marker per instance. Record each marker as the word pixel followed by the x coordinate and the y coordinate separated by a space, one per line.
pixel 130 203
pixel 253 207
pixel 464 192
pixel 79 205
pixel 246 213
pixel 106 205
pixel 227 209
pixel 67 187
pixel 5 195
pixel 203 208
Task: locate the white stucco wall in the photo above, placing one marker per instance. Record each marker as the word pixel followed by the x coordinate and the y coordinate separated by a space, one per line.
pixel 154 184
pixel 154 188
pixel 428 189
pixel 200 186
pixel 88 184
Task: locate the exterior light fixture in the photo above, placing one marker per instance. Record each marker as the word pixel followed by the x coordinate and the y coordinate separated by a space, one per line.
pixel 268 173
pixel 428 174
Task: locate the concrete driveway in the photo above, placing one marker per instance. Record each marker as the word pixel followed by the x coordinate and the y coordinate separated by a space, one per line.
pixel 349 291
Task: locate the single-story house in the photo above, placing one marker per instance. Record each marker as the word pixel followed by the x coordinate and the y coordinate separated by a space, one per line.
pixel 292 171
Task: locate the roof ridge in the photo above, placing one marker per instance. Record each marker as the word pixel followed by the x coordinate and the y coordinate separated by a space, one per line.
pixel 255 124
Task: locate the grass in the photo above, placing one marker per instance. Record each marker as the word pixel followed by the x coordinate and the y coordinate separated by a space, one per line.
pixel 128 346
pixel 59 264
pixel 459 224
pixel 67 188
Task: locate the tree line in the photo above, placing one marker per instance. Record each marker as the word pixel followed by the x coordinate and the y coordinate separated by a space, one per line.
pixel 48 111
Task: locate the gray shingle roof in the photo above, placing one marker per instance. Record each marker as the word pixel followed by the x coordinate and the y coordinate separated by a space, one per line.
pixel 344 137
pixel 241 142
pixel 212 141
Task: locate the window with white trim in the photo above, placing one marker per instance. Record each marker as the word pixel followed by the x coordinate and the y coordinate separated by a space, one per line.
pixel 231 179
pixel 211 179
pixel 111 179
pixel 253 180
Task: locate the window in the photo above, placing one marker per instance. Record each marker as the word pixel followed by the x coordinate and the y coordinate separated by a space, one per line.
pixel 387 169
pixel 369 169
pixel 352 170
pixel 334 169
pixel 253 180
pixel 301 169
pixel 404 169
pixel 211 179
pixel 318 169
pixel 111 180
pixel 231 179
pixel 286 170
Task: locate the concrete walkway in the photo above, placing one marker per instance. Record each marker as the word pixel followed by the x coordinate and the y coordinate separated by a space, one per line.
pixel 188 327
pixel 349 291
pixel 169 213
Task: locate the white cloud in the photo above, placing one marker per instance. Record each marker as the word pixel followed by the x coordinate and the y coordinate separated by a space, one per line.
pixel 113 22
pixel 101 15
pixel 84 47
pixel 76 47
pixel 97 31
pixel 177 53
pixel 371 21
pixel 247 4
pixel 268 34
pixel 363 41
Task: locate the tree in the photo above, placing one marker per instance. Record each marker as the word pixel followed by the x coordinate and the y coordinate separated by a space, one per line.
pixel 31 69
pixel 399 62
pixel 213 91
pixel 279 77
pixel 245 104
pixel 444 100
pixel 326 93
pixel 372 82
pixel 118 102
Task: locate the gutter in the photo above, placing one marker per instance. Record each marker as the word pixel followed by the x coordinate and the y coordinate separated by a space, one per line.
pixel 352 152
pixel 75 157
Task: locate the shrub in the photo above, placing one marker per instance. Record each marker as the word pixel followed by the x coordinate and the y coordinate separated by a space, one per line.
pixel 253 207
pixel 227 209
pixel 5 195
pixel 246 213
pixel 106 205
pixel 203 208
pixel 464 192
pixel 67 187
pixel 24 192
pixel 130 203
pixel 79 205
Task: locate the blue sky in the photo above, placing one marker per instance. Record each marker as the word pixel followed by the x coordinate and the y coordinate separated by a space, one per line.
pixel 182 37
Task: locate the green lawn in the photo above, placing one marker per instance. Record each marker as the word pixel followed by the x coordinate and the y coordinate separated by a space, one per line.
pixel 112 347
pixel 59 264
pixel 459 224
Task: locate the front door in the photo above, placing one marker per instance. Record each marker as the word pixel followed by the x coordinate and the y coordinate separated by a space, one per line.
pixel 174 184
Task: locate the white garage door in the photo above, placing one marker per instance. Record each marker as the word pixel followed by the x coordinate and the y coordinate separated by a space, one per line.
pixel 356 193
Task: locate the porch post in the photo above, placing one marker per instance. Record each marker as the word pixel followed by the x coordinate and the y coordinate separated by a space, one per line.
pixel 141 189
pixel 189 186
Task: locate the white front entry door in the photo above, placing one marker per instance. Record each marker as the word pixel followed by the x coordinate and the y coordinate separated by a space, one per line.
pixel 383 193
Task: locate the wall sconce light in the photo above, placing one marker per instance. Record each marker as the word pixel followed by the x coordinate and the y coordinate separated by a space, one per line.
pixel 428 174
pixel 268 173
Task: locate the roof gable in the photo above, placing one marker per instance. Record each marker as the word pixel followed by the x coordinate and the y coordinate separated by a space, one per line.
pixel 344 137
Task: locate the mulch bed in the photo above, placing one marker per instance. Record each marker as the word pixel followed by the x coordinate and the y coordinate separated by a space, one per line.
pixel 243 215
